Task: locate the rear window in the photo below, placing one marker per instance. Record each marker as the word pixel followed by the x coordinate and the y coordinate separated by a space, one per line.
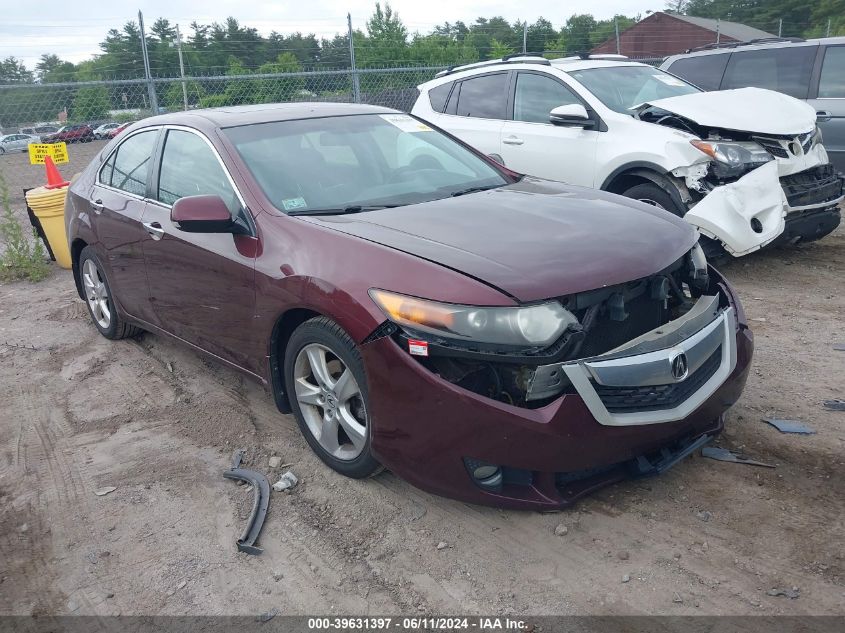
pixel 438 96
pixel 484 97
pixel 704 71
pixel 786 70
pixel 832 80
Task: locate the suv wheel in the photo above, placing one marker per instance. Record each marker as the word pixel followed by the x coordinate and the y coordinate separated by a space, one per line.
pixel 324 375
pixel 656 197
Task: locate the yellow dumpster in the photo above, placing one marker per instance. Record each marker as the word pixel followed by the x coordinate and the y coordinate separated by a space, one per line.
pixel 49 206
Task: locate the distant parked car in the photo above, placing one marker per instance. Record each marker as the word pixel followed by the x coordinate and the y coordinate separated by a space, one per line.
pixel 103 130
pixel 39 130
pixel 71 134
pixel 811 70
pixel 16 142
pixel 117 130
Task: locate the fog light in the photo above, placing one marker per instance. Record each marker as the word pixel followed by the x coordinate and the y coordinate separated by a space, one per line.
pixel 487 476
pixel 485 472
pixel 756 225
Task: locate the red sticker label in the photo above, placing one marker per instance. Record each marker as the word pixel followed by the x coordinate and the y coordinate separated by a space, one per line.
pixel 418 348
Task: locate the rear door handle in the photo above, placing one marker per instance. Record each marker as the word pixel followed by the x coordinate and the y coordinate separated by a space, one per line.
pixel 823 115
pixel 154 229
pixel 513 140
pixel 96 205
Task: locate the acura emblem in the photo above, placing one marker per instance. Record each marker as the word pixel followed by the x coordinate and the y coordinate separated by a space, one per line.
pixel 680 367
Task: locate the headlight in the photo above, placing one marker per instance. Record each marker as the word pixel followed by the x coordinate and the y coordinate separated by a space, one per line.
pixel 735 155
pixel 530 326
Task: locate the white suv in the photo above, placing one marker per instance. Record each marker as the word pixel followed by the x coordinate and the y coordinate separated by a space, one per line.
pixel 746 167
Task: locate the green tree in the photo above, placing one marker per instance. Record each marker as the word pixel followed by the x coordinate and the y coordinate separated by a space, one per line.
pixel 13 71
pixel 51 69
pixel 173 98
pixel 386 40
pixel 499 49
pixel 280 89
pixel 90 104
pixel 577 32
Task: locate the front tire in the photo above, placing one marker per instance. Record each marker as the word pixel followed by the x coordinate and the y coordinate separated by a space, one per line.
pixel 649 193
pixel 99 298
pixel 327 387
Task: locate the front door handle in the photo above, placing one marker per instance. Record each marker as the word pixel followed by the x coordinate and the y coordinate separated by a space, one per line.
pixel 96 205
pixel 513 140
pixel 154 229
pixel 823 115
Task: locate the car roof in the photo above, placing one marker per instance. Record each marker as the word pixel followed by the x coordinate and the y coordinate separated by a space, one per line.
pixel 265 113
pixel 568 63
pixel 730 48
pixel 564 64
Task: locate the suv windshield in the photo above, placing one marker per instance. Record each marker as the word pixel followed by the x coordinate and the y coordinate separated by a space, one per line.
pixel 621 88
pixel 351 163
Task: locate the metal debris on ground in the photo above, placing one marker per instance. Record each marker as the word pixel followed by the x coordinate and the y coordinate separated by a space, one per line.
pixel 260 502
pixel 104 491
pixel 266 617
pixel 839 347
pixel 724 455
pixel 834 405
pixel 789 593
pixel 286 482
pixel 789 426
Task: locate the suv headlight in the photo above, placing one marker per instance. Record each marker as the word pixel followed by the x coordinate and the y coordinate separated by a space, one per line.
pixel 737 157
pixel 818 138
pixel 529 326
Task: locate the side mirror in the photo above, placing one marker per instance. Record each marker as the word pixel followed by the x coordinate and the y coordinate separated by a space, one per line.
pixel 573 114
pixel 203 214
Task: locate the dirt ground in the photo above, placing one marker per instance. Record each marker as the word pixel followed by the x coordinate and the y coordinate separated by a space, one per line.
pixel 79 413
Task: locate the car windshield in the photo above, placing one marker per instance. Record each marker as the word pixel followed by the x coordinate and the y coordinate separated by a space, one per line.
pixel 350 163
pixel 621 88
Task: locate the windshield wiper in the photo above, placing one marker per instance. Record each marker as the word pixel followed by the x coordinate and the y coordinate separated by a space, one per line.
pixel 354 208
pixel 473 190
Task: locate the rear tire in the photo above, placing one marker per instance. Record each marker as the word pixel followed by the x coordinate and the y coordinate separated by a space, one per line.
pixel 100 300
pixel 327 388
pixel 649 193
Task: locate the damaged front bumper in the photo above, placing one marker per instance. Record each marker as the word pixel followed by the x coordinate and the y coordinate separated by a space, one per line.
pixel 782 201
pixel 437 434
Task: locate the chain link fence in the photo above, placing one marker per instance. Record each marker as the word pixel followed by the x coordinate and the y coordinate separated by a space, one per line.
pixel 41 109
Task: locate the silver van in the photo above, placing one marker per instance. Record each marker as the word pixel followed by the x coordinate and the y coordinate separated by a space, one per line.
pixel 812 70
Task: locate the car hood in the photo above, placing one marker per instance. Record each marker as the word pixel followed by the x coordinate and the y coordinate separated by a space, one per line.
pixel 754 110
pixel 532 240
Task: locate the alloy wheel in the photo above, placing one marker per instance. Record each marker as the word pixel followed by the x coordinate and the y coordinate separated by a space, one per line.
pixel 96 293
pixel 331 401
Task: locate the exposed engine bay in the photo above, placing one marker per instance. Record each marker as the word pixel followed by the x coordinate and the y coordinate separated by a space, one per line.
pixel 607 318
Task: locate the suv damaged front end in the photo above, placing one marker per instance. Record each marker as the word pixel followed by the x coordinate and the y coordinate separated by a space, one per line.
pixel 628 380
pixel 753 188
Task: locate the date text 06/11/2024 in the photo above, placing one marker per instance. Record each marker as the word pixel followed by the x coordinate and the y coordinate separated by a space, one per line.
pixel 417 623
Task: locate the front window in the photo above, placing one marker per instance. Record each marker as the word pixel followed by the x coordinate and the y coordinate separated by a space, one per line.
pixel 622 88
pixel 371 160
pixel 537 95
pixel 189 167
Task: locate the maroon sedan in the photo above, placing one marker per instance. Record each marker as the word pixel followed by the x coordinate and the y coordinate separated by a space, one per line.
pixel 71 134
pixel 487 336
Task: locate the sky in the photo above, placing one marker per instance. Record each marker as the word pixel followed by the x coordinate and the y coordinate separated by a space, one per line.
pixel 73 30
